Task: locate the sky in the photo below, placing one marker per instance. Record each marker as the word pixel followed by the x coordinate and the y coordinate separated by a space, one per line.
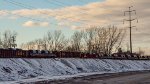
pixel 33 18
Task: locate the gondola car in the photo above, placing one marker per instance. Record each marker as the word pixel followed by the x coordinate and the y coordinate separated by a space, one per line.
pixel 118 56
pixel 1 52
pixel 41 54
pixel 19 53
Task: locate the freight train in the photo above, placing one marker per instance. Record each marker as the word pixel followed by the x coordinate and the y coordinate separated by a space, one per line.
pixel 19 53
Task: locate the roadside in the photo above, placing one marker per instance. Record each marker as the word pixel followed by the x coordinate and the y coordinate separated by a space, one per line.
pixel 134 77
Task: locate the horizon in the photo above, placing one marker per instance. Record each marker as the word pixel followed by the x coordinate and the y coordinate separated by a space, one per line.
pixel 32 21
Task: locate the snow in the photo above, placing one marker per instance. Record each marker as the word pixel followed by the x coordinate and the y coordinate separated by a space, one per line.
pixel 23 70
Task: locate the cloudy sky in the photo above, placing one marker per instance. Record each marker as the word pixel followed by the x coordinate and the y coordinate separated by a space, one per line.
pixel 32 18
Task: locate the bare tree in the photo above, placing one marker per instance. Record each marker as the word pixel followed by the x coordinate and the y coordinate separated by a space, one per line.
pixel 114 36
pixel 103 40
pixel 95 39
pixel 54 41
pixel 38 43
pixel 121 38
pixel 23 46
pixel 100 40
pixel 49 40
pixel 45 43
pixel 1 43
pixel 88 38
pixel 59 41
pixel 76 41
pixel 9 39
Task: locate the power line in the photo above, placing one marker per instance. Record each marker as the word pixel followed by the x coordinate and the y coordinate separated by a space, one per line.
pixel 130 20
pixel 82 1
pixel 47 1
pixel 38 20
pixel 61 2
pixel 31 7
pixel 84 11
pixel 64 4
pixel 24 17
pixel 22 5
pixel 18 4
pixel 28 7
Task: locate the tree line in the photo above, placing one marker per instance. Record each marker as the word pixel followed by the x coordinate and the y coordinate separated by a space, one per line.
pixel 8 39
pixel 94 39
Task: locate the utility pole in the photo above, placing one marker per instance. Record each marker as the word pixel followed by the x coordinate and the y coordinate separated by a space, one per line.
pixel 130 20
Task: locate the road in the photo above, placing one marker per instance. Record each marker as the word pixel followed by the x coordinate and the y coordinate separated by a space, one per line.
pixel 113 78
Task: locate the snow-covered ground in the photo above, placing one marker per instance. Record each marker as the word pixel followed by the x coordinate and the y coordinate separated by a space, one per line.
pixel 44 69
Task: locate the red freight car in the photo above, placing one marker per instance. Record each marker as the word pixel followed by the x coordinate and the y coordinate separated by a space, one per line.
pixel 1 53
